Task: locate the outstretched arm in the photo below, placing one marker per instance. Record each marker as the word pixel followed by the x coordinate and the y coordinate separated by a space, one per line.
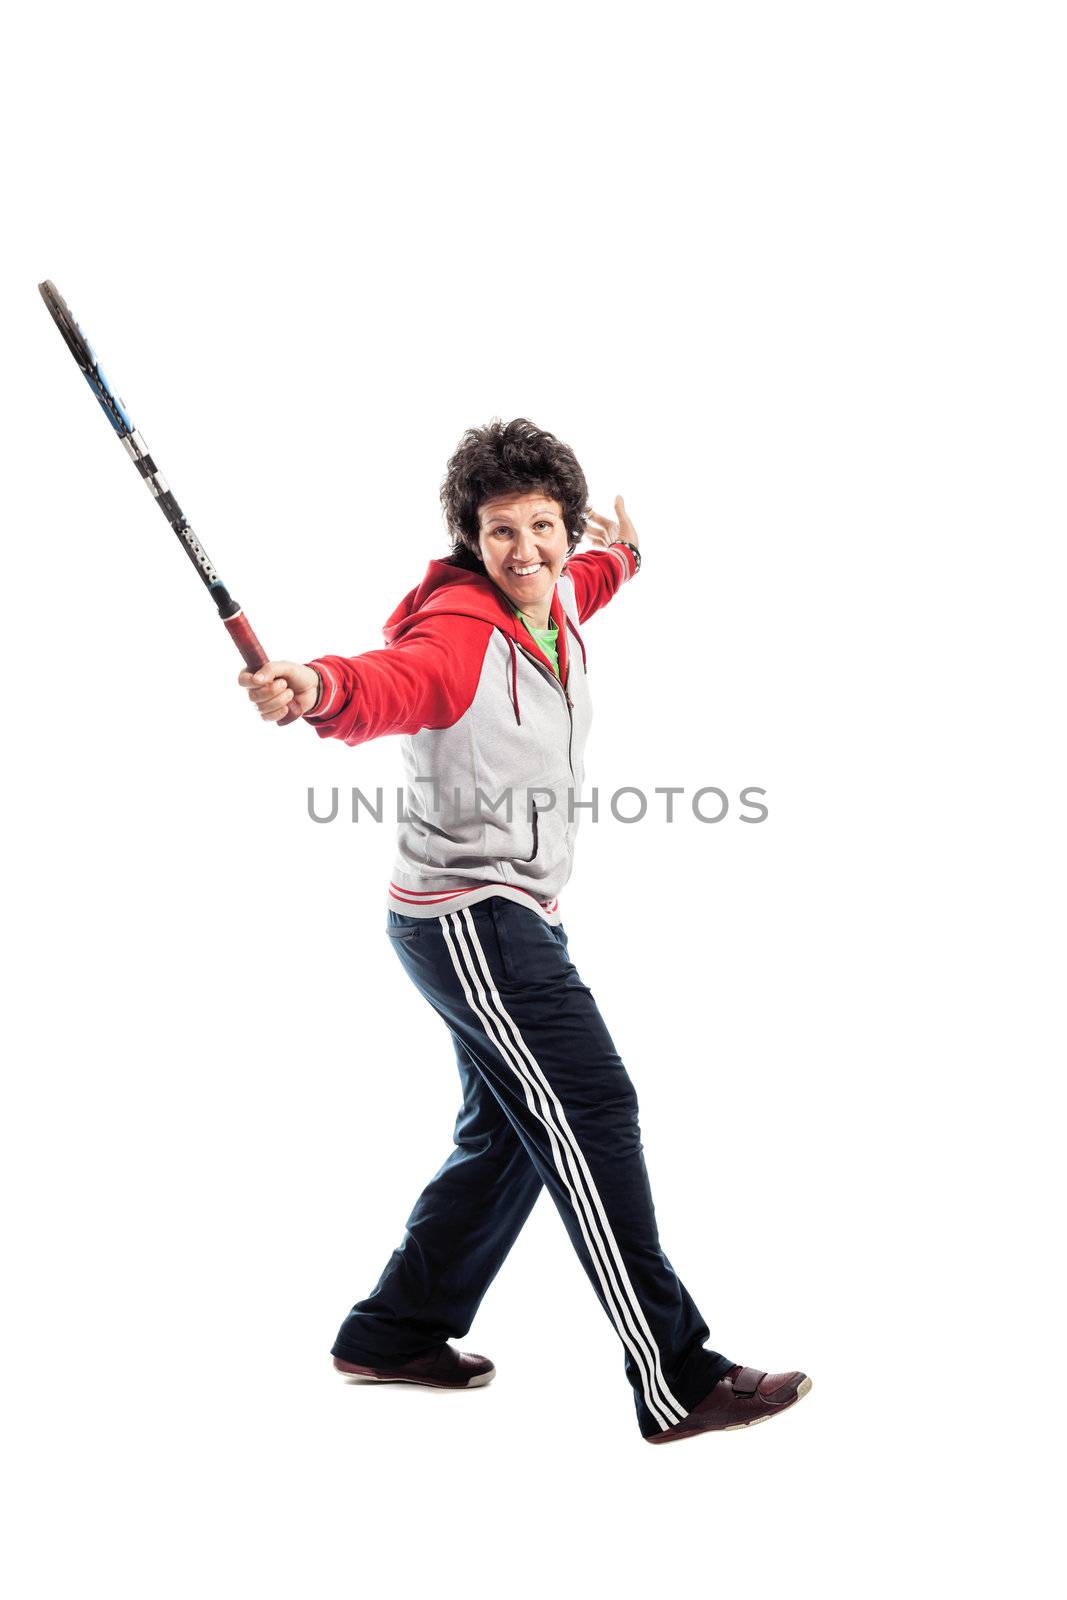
pixel 427 679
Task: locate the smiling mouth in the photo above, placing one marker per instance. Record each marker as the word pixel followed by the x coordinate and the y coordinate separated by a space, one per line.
pixel 526 572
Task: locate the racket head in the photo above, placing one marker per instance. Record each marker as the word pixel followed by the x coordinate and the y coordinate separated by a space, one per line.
pixel 84 354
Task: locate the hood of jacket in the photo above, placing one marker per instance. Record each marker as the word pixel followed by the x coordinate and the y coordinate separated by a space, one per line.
pixel 449 589
pixel 454 591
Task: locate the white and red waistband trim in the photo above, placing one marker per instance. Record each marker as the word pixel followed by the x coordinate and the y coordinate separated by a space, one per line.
pixel 436 902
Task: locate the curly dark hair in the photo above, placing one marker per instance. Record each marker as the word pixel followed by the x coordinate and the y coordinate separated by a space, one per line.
pixel 509 458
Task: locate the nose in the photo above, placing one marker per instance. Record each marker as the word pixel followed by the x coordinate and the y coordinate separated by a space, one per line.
pixel 525 549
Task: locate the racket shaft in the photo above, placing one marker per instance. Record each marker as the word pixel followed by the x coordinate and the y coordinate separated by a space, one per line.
pixel 163 495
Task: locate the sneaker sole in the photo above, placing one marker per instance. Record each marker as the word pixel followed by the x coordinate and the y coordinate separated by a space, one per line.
pixel 368 1375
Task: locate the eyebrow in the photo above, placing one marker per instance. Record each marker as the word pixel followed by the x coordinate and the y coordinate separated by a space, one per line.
pixel 538 511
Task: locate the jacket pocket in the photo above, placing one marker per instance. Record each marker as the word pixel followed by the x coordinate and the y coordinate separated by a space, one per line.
pixel 533 854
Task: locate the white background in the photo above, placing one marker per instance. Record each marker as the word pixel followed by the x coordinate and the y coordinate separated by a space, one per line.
pixel 790 278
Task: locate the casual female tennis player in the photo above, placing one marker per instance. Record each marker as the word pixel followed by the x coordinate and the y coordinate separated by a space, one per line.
pixel 483 675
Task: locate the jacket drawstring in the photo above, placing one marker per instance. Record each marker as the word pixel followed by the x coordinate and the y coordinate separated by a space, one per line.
pixel 515 667
pixel 514 676
pixel 578 636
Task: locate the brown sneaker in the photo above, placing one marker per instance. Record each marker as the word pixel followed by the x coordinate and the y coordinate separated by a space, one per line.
pixel 447 1368
pixel 745 1395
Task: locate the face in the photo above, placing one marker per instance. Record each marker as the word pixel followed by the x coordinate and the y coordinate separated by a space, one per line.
pixel 523 542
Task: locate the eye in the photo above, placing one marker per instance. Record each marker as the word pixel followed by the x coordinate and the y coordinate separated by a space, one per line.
pixel 543 524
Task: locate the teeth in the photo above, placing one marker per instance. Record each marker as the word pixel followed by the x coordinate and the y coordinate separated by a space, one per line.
pixel 524 572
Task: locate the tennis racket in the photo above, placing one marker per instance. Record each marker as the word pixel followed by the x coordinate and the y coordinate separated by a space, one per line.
pixel 233 618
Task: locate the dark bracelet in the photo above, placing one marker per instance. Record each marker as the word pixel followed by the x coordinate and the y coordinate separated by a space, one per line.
pixel 635 552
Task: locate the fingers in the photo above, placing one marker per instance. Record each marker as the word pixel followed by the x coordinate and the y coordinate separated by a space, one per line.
pixel 248 678
pixel 270 710
pixel 613 528
pixel 271 697
pixel 608 527
pixel 267 691
pixel 277 688
pixel 269 694
pixel 269 669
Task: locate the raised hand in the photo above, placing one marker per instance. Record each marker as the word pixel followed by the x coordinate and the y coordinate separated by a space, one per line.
pixel 607 530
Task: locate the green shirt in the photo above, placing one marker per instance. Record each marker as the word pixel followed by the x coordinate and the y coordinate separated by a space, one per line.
pixel 546 638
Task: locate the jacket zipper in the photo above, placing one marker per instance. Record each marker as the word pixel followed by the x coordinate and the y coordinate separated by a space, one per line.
pixel 570 732
pixel 570 704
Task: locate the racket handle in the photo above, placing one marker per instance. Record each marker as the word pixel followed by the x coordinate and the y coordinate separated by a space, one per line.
pixel 240 631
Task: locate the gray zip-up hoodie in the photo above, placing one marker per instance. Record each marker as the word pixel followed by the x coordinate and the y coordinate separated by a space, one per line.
pixel 493 740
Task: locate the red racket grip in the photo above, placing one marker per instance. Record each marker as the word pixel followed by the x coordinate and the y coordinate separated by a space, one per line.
pixel 240 631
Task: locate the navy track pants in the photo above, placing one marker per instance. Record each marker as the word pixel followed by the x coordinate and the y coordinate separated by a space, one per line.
pixel 546 1100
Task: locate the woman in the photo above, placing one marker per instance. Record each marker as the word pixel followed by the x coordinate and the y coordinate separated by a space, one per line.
pixel 484 676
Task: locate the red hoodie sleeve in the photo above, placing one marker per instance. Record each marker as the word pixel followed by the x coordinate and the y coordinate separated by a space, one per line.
pixel 598 575
pixel 427 679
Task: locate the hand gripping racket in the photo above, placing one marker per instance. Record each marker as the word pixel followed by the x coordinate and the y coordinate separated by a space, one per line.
pixel 234 619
